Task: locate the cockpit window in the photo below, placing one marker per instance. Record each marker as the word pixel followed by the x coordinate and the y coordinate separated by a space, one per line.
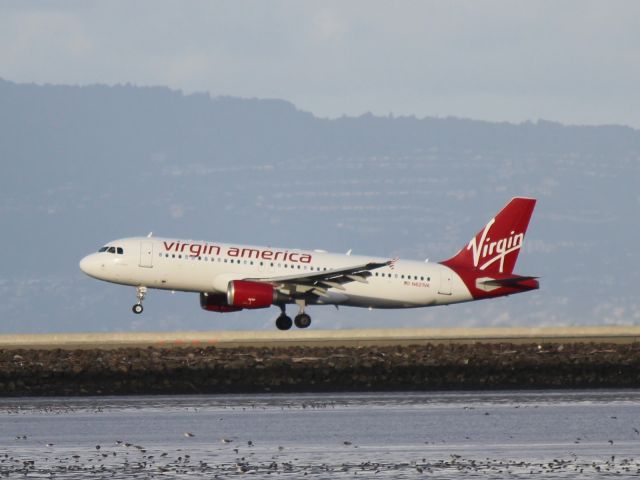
pixel 108 249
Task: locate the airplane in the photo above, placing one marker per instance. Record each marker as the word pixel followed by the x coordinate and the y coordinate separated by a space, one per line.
pixel 231 277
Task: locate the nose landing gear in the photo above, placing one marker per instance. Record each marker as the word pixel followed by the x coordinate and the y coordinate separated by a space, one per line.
pixel 140 294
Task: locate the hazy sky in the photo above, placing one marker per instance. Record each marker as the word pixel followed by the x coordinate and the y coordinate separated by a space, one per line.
pixel 571 61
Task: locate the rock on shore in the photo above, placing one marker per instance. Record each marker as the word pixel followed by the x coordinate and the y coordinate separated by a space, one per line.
pixel 150 370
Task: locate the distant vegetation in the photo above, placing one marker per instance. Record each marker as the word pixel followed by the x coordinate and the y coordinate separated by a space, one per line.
pixel 156 118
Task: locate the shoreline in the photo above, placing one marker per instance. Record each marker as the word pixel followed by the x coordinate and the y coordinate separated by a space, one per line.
pixel 211 370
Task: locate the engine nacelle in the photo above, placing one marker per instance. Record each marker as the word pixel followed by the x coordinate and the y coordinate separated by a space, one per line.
pixel 216 302
pixel 243 294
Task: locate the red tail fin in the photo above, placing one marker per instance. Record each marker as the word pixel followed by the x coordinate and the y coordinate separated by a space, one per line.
pixel 495 248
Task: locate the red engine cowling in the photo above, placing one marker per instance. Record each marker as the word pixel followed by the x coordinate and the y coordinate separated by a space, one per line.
pixel 216 302
pixel 243 294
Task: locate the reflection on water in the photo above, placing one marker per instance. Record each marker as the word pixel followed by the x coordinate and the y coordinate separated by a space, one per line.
pixel 397 435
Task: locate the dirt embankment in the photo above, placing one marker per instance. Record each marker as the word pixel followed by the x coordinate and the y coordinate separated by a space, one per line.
pixel 307 369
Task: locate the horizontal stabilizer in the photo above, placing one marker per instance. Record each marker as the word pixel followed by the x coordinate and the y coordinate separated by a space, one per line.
pixel 516 282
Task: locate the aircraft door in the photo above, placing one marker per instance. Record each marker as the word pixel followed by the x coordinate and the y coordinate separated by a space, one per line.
pixel 146 254
pixel 445 282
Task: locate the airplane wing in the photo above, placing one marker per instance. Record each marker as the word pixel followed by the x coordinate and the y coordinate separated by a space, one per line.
pixel 317 283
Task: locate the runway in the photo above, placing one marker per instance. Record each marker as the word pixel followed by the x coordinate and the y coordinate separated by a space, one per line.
pixel 323 338
pixel 313 361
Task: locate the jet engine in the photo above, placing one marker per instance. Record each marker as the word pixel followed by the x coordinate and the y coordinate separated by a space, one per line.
pixel 244 294
pixel 216 302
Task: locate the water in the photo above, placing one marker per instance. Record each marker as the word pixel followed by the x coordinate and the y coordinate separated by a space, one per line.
pixel 587 434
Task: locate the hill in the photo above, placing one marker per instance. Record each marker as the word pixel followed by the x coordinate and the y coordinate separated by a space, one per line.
pixel 83 165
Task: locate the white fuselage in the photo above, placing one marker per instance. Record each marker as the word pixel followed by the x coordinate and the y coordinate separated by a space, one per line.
pixel 197 266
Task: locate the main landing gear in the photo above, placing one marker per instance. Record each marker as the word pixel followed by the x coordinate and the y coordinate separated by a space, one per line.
pixel 140 293
pixel 283 322
pixel 302 320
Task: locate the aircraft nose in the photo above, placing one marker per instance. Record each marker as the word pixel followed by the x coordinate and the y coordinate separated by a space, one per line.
pixel 90 265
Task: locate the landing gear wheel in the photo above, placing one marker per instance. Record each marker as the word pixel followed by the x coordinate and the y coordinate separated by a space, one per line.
pixel 141 291
pixel 283 322
pixel 302 320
